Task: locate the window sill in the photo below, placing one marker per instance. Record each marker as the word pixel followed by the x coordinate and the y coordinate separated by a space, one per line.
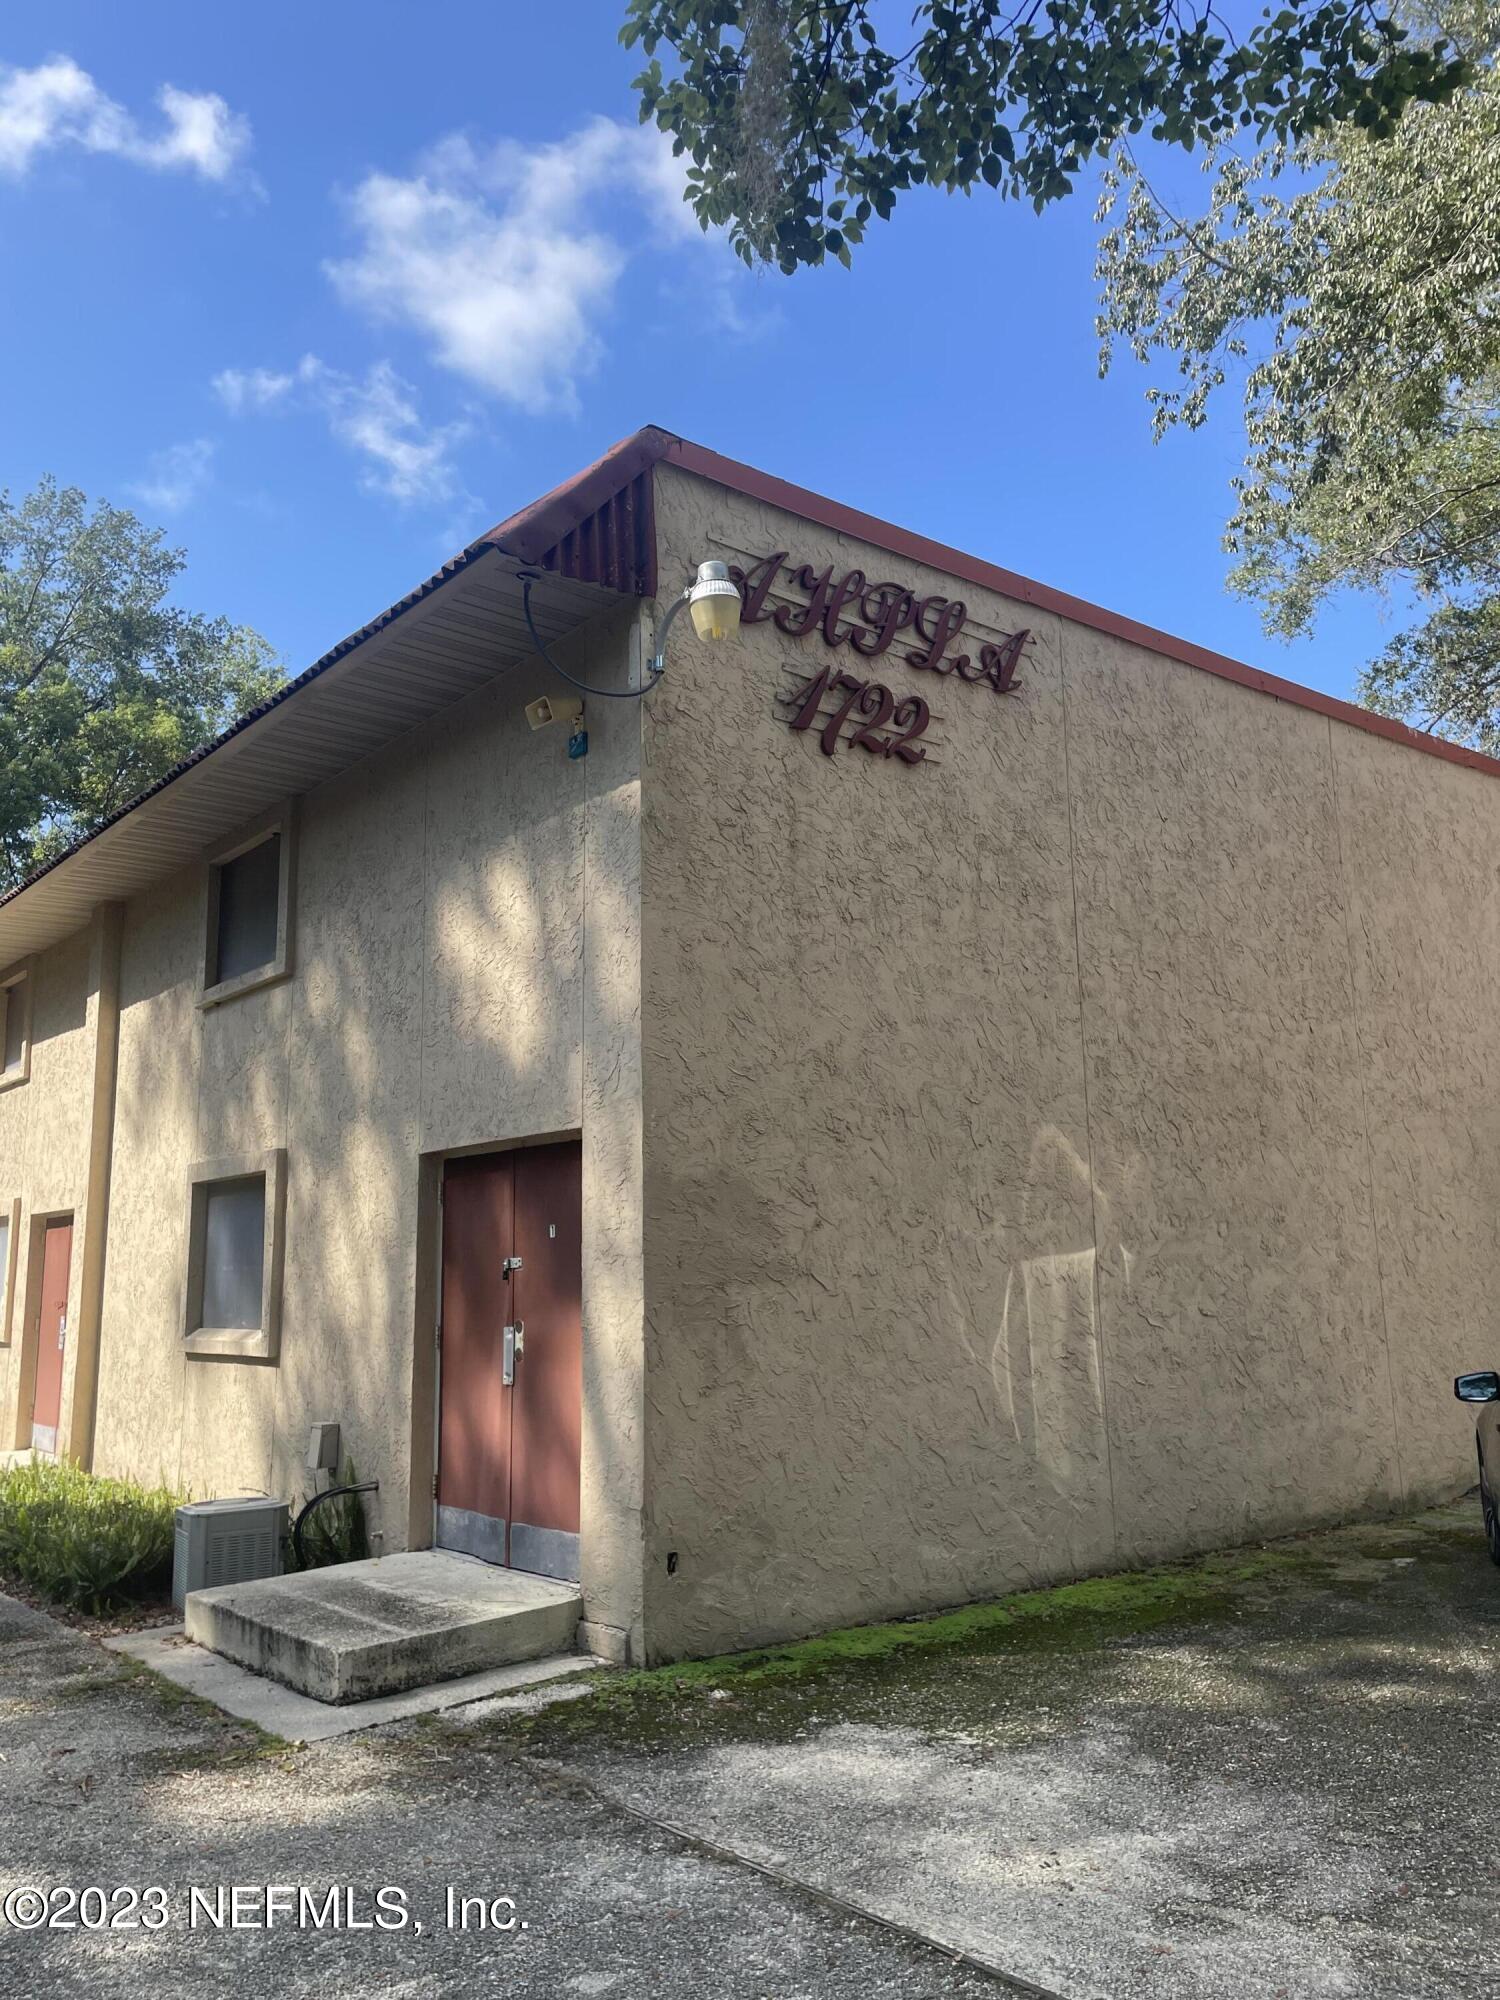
pixel 236 1343
pixel 20 1074
pixel 245 982
pixel 229 1343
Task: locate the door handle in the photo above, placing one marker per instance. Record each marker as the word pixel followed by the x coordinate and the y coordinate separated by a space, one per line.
pixel 513 1343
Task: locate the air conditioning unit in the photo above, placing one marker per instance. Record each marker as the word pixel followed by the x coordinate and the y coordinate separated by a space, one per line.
pixel 226 1541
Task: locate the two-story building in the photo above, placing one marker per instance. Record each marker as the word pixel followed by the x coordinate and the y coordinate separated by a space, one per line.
pixel 947 1089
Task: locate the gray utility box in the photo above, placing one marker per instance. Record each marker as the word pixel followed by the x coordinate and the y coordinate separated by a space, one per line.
pixel 226 1541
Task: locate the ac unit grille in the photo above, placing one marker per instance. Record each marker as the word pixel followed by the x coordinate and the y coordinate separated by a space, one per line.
pixel 232 1558
pixel 226 1541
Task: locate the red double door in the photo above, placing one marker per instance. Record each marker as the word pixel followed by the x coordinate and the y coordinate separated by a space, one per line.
pixel 510 1406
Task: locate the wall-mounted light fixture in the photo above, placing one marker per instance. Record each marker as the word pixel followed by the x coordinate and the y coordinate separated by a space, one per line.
pixel 715 606
pixel 712 598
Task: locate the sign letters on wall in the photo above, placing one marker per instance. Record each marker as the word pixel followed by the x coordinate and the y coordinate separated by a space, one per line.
pixel 870 619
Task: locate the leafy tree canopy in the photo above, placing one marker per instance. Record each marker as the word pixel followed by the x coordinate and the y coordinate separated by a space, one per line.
pixel 1351 290
pixel 104 686
pixel 803 119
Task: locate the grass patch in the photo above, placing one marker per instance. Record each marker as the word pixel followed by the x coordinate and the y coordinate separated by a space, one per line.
pixel 137 1674
pixel 88 1543
pixel 241 1749
pixel 86 1686
pixel 249 1742
pixel 1010 1672
pixel 1086 1613
pixel 929 1671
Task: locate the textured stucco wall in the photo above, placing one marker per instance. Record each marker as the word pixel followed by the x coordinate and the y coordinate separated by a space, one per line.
pixel 45 1125
pixel 465 974
pixel 1423 891
pixel 1074 1151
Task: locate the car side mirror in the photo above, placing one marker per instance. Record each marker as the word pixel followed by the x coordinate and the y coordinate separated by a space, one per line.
pixel 1481 1387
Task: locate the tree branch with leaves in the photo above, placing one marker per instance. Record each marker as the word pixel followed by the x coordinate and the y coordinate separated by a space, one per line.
pixel 802 124
pixel 104 684
pixel 1350 289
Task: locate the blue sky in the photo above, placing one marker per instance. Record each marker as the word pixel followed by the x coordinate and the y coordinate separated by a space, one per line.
pixel 367 278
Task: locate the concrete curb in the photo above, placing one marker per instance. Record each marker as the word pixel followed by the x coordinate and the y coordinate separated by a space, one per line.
pixel 298 1718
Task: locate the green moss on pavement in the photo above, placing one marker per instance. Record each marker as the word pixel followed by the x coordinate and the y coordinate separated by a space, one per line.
pixel 1013 1668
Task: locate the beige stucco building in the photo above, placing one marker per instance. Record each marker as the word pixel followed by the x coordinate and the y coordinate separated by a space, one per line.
pixel 1047 1120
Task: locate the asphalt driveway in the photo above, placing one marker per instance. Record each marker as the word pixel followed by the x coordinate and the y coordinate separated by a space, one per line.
pixel 1292 1790
pixel 1271 1774
pixel 113 1780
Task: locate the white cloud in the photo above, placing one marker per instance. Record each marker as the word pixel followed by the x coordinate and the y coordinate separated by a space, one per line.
pixel 375 416
pixel 241 389
pixel 501 258
pixel 175 477
pixel 378 418
pixel 505 260
pixel 202 133
pixel 59 104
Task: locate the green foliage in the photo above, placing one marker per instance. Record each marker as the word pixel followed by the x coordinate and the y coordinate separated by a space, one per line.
pixel 87 1542
pixel 802 124
pixel 104 686
pixel 1350 288
pixel 337 1532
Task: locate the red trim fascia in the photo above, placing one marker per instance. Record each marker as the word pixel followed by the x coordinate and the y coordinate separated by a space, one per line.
pixel 773 492
pixel 530 534
pixel 537 528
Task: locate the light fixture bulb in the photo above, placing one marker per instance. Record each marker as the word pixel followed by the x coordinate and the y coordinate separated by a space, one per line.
pixel 714 602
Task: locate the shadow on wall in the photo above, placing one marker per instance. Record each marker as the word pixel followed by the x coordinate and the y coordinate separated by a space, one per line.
pixel 436 1003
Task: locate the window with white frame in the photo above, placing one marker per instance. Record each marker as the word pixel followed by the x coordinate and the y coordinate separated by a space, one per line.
pixel 247 940
pixel 236 1210
pixel 15 1028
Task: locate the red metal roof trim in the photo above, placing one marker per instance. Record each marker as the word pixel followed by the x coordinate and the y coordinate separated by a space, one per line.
pixel 599 526
pixel 833 514
pixel 614 546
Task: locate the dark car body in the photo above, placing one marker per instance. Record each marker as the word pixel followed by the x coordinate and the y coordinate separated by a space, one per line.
pixel 1483 1389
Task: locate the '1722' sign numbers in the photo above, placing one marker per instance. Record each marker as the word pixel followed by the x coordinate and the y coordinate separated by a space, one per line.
pixel 870 618
pixel 873 706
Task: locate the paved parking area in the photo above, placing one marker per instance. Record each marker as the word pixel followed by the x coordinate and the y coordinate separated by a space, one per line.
pixel 1281 1781
pixel 109 1781
pixel 1295 1793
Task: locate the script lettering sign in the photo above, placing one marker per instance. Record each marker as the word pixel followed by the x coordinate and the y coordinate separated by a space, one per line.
pixel 870 618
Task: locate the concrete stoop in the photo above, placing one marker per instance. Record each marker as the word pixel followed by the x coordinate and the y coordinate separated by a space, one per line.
pixel 363 1629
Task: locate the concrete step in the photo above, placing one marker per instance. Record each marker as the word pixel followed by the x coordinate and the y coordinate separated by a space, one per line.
pixel 372 1628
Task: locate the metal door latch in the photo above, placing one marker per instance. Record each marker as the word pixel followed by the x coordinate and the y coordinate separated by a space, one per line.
pixel 510 1264
pixel 513 1343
